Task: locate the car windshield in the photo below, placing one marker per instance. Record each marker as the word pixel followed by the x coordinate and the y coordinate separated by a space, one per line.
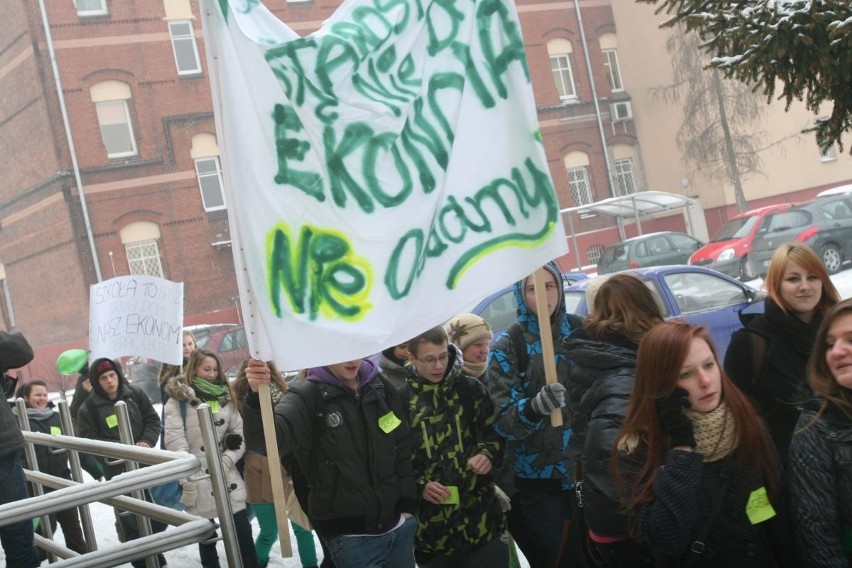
pixel 735 229
pixel 613 253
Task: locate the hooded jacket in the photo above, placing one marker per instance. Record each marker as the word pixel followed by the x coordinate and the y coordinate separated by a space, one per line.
pixel 96 418
pixel 186 436
pixel 46 421
pixel 538 453
pixel 360 475
pixel 446 431
pixel 599 388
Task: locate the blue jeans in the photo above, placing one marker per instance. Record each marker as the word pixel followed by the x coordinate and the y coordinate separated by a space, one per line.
pixel 392 550
pixel 17 539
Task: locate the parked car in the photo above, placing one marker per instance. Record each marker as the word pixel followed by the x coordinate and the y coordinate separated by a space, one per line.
pixel 824 224
pixel 728 250
pixel 227 339
pixel 653 249
pixel 699 295
pixel 499 308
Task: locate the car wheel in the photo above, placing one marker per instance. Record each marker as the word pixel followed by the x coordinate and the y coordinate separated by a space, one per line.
pixel 831 258
pixel 747 271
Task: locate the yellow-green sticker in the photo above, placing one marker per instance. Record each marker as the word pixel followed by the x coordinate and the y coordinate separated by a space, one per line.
pixel 112 420
pixel 55 431
pixel 758 508
pixel 214 406
pixel 389 422
pixel 453 498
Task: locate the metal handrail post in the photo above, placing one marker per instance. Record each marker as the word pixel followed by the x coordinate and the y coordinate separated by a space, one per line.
pixel 32 462
pixel 220 489
pixel 77 475
pixel 126 435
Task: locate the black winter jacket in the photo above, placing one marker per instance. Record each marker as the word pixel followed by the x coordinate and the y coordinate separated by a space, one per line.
pixel 599 386
pixel 685 492
pixel 361 478
pixel 48 461
pixel 821 484
pixel 96 419
pixel 781 386
pixel 15 352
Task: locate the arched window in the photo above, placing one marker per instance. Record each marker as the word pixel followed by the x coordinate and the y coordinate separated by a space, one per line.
pixel 140 244
pixel 110 98
pixel 560 51
pixel 205 152
pixel 577 168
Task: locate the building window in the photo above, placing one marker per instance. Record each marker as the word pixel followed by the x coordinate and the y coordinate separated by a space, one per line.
pixel 185 48
pixel 581 191
pixel 144 258
pixel 91 7
pixel 8 312
pixel 829 155
pixel 594 252
pixel 116 129
pixel 613 72
pixel 210 181
pixel 562 76
pixel 623 177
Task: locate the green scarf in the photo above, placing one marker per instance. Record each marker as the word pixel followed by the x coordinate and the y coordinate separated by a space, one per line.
pixel 206 390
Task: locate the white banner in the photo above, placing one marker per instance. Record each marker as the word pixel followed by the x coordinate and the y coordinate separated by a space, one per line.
pixel 383 173
pixel 136 316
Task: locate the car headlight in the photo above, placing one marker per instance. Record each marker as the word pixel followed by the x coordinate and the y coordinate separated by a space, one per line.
pixel 726 254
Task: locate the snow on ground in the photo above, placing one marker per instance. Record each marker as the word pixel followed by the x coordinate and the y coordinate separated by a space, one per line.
pixel 187 557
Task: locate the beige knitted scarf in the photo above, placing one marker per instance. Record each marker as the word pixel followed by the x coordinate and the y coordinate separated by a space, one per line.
pixel 715 432
pixel 476 370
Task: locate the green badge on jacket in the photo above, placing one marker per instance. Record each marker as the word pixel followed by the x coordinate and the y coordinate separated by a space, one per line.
pixel 112 421
pixel 389 422
pixel 758 508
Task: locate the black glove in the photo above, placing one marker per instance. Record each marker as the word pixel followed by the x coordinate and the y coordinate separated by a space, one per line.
pixel 233 441
pixel 675 424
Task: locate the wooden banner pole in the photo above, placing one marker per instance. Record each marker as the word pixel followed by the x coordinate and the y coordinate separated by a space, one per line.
pixel 278 496
pixel 544 327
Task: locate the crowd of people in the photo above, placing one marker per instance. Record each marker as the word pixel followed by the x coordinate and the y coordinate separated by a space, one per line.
pixel 444 454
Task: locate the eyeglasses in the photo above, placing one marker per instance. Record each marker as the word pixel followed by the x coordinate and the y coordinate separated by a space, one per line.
pixel 432 360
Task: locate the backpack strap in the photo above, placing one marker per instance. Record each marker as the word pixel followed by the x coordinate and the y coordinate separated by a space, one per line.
pixel 758 350
pixel 519 345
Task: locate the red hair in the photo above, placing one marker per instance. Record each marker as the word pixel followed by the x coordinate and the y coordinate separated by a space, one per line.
pixel 660 357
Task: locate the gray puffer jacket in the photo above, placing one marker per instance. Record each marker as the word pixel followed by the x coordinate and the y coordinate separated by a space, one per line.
pixel 821 484
pixel 186 437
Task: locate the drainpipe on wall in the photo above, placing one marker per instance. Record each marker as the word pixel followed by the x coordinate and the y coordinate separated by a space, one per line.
pixel 595 98
pixel 74 166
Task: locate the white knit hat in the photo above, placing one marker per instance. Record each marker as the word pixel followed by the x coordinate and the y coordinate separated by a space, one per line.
pixel 465 329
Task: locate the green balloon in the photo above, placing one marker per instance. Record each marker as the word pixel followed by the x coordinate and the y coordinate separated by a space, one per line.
pixel 70 362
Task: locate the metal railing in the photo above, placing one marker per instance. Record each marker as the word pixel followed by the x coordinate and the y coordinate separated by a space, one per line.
pixel 161 466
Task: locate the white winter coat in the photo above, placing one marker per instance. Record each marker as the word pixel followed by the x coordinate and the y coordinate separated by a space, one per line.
pixel 188 439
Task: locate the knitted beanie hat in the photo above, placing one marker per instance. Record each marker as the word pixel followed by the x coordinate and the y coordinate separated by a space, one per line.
pixel 465 329
pixel 101 366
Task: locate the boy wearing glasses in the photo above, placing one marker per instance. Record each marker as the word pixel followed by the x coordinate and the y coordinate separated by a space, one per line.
pixel 460 522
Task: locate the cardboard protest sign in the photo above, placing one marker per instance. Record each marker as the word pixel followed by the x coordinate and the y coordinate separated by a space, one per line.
pixel 136 316
pixel 383 173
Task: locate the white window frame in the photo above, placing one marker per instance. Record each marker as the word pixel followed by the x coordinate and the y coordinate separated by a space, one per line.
pixel 217 174
pixel 144 258
pixel 613 70
pixel 594 253
pixel 829 155
pixel 624 177
pixel 560 63
pixel 183 39
pixel 133 149
pixel 581 188
pixel 102 11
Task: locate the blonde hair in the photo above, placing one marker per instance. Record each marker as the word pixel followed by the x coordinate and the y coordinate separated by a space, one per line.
pixel 805 257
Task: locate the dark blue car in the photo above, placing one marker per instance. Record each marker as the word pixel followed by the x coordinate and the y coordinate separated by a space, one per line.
pixel 698 295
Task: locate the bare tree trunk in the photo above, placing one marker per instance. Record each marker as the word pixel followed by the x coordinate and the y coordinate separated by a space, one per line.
pixel 730 153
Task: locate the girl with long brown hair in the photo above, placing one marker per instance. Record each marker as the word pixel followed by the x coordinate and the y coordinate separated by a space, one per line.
pixel 697 467
pixel 821 450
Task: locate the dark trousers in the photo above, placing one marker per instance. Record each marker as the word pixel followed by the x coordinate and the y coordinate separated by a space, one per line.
pixel 17 539
pixel 242 526
pixel 69 520
pixel 128 529
pixel 625 554
pixel 519 529
pixel 546 515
